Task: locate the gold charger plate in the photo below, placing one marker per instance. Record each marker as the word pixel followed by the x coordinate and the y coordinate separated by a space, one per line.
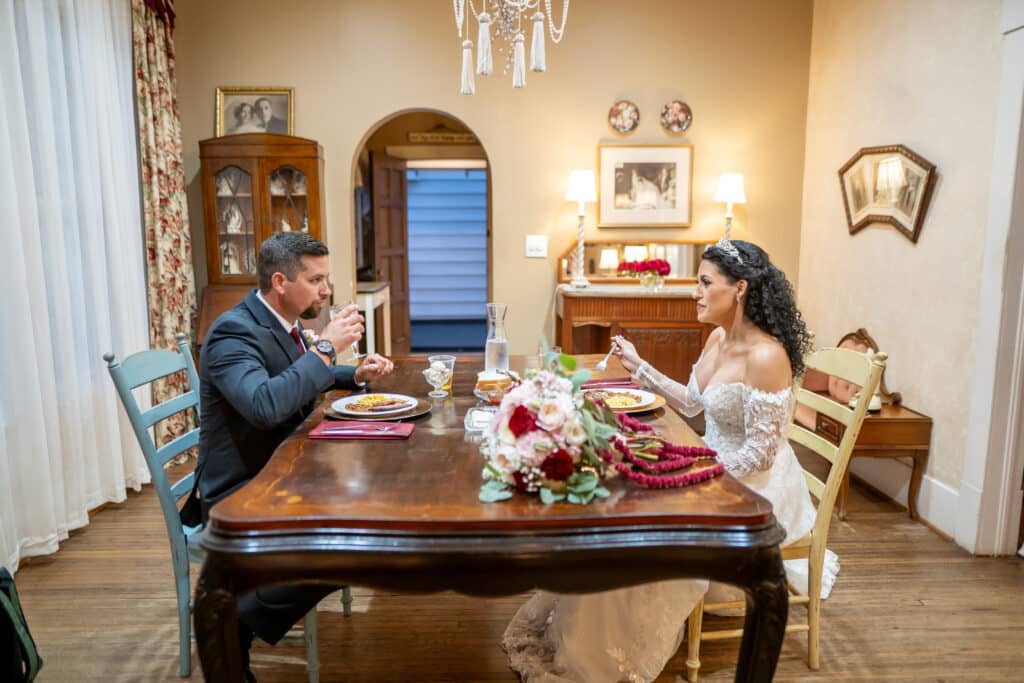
pixel 422 407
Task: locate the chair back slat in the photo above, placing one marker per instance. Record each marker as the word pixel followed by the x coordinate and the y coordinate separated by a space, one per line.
pixel 815 485
pixel 822 447
pixel 853 366
pixel 181 488
pixel 146 366
pixel 177 446
pixel 823 404
pixel 173 406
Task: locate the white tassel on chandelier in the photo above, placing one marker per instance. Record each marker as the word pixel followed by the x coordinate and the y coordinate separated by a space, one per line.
pixel 468 86
pixel 519 62
pixel 484 61
pixel 537 45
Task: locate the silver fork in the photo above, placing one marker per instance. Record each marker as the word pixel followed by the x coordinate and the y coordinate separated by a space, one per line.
pixel 379 428
pixel 603 365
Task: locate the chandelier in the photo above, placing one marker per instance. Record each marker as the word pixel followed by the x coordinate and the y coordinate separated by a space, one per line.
pixel 508 17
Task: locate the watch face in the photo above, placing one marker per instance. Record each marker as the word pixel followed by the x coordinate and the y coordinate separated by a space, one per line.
pixel 325 347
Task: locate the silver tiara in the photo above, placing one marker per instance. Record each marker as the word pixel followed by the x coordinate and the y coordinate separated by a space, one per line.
pixel 725 245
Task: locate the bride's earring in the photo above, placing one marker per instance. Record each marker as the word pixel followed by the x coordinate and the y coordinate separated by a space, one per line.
pixel 738 297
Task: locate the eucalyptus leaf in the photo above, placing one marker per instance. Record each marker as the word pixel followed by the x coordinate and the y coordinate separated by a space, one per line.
pixel 488 495
pixel 579 378
pixel 587 497
pixel 573 498
pixel 602 492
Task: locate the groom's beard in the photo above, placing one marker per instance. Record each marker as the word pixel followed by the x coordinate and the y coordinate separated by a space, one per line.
pixel 313 312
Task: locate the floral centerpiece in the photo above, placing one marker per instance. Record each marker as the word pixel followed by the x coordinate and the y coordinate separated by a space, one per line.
pixel 551 439
pixel 651 272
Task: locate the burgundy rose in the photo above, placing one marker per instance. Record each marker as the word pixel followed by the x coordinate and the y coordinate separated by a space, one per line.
pixel 523 421
pixel 557 466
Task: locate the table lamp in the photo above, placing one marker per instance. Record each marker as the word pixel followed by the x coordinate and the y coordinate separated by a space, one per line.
pixel 581 189
pixel 730 191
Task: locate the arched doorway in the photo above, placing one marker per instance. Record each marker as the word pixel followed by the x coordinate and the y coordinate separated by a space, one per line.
pixel 422 224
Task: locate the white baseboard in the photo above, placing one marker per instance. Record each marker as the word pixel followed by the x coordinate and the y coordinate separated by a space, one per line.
pixel 936 502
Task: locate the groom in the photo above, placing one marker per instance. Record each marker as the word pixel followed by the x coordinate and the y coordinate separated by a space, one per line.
pixel 259 380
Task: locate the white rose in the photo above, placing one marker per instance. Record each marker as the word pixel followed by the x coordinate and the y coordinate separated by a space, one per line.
pixel 551 415
pixel 573 432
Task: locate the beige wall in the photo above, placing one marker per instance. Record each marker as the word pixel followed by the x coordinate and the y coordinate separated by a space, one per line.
pixel 927 77
pixel 741 65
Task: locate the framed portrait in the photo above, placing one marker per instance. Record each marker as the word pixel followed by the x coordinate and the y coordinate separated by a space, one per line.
pixel 254 110
pixel 891 185
pixel 644 185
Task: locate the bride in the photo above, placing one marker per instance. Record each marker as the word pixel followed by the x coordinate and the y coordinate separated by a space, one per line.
pixel 743 383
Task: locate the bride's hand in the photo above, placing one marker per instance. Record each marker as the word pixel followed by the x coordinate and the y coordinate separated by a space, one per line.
pixel 626 353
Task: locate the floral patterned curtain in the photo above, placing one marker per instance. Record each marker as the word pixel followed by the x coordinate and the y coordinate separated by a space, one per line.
pixel 171 288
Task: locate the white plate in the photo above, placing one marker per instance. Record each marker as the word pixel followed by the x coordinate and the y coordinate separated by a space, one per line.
pixel 342 404
pixel 646 397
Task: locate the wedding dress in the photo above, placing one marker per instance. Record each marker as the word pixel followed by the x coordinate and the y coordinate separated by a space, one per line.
pixel 629 634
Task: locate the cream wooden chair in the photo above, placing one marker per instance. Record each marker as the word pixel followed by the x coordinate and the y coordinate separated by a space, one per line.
pixel 864 369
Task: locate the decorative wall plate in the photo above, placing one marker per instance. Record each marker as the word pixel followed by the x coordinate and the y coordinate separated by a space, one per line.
pixel 624 117
pixel 676 117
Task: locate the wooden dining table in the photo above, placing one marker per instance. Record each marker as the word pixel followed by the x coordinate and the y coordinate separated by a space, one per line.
pixel 404 515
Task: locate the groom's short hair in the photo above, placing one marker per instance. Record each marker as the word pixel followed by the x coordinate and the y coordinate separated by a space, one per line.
pixel 282 252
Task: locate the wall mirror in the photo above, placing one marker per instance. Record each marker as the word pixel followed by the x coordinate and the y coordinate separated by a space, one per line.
pixel 601 259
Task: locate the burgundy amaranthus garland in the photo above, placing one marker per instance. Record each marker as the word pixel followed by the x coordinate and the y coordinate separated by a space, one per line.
pixel 649 461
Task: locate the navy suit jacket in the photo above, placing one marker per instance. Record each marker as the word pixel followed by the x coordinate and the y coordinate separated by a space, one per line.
pixel 255 389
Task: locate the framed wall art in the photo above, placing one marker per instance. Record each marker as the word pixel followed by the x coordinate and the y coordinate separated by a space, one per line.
pixel 889 184
pixel 254 110
pixel 644 185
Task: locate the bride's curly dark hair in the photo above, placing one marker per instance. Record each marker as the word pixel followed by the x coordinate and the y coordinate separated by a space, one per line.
pixel 769 303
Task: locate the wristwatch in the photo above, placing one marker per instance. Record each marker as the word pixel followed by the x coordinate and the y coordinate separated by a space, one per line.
pixel 325 347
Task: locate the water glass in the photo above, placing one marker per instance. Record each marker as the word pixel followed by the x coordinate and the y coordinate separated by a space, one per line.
pixel 335 312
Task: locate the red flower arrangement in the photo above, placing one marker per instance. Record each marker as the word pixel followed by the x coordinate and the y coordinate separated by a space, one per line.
pixel 637 268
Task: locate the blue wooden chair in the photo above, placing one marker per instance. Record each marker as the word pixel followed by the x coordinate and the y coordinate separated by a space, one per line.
pixel 142 368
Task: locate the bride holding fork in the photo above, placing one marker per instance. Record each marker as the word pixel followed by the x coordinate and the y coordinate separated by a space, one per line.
pixel 743 383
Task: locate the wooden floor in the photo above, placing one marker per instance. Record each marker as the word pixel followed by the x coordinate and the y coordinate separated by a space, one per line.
pixel 908 606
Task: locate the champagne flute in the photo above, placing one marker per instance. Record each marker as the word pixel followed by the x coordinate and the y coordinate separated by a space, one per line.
pixel 336 310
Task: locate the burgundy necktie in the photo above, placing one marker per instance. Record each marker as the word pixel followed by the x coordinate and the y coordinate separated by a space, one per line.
pixel 298 339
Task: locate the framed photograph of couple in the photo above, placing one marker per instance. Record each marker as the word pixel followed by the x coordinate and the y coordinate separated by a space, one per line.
pixel 254 110
pixel 889 184
pixel 644 186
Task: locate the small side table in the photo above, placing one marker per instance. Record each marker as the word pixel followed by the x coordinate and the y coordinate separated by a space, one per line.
pixel 892 432
pixel 370 295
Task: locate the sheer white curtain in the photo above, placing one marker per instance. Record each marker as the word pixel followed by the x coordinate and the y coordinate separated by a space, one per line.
pixel 72 279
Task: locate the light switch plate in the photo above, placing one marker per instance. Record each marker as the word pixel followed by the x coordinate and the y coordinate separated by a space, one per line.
pixel 536 246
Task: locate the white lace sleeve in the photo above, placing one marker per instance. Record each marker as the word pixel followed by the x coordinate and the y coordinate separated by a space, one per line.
pixel 677 395
pixel 764 418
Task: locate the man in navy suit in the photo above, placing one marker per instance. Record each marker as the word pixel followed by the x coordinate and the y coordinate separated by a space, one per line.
pixel 259 379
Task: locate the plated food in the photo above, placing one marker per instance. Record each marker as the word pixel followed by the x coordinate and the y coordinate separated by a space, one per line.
pixel 373 404
pixel 623 400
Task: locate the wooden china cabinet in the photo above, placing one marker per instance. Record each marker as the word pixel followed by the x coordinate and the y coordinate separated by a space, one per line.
pixel 254 185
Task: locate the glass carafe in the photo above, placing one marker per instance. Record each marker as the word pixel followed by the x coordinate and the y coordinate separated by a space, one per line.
pixel 496 348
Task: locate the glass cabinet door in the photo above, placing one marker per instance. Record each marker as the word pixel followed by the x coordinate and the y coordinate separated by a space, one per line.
pixel 289 200
pixel 236 236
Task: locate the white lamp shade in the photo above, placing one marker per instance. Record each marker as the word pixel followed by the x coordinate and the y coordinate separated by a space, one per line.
pixel 730 189
pixel 582 187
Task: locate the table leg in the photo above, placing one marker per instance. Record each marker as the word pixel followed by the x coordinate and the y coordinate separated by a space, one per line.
pixel 370 324
pixel 765 623
pixel 844 494
pixel 916 474
pixel 216 623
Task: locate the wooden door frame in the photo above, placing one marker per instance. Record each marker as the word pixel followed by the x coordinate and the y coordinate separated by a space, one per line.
pixel 354 172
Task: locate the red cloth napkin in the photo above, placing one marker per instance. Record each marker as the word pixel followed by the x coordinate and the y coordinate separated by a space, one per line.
pixel 355 429
pixel 610 383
